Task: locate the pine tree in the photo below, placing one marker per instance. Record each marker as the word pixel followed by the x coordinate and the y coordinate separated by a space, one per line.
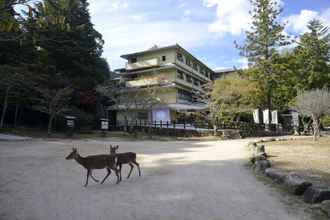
pixel 261 45
pixel 313 57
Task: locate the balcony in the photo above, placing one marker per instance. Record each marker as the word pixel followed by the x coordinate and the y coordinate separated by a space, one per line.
pixel 142 64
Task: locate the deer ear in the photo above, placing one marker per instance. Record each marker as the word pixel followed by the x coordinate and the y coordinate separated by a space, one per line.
pixel 117 146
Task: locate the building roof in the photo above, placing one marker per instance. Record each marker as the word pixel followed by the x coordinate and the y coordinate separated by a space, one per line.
pixel 156 49
pixel 153 49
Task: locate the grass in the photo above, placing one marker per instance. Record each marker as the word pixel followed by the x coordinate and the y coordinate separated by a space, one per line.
pixel 304 156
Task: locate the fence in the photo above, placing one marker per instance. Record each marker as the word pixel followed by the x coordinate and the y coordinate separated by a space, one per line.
pixel 195 129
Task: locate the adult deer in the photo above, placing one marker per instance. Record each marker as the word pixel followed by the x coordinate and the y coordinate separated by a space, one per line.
pixel 125 158
pixel 101 161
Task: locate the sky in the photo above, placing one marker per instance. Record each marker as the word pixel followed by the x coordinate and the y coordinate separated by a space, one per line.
pixel 206 28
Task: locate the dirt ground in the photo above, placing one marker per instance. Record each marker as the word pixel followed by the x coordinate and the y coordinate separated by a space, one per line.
pixel 304 156
pixel 180 180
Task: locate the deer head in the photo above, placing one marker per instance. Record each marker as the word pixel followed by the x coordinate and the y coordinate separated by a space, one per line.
pixel 113 149
pixel 73 154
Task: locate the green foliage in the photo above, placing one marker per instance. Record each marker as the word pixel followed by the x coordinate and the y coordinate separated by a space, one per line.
pixel 233 96
pixel 326 121
pixel 312 57
pixel 55 44
pixel 261 48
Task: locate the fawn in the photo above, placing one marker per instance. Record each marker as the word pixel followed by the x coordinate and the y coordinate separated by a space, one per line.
pixel 102 161
pixel 123 158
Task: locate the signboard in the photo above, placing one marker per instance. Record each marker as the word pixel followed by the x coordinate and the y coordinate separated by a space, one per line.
pixel 70 123
pixel 295 119
pixel 275 117
pixel 104 125
pixel 266 116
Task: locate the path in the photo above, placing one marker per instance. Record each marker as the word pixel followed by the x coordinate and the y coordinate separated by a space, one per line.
pixel 180 180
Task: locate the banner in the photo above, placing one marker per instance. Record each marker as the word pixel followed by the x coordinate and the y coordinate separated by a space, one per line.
pixel 266 116
pixel 274 117
pixel 256 117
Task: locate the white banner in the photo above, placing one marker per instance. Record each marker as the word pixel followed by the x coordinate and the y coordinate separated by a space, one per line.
pixel 274 117
pixel 266 116
pixel 256 117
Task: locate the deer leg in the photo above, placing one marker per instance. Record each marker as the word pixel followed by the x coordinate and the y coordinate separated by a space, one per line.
pixel 106 176
pixel 130 171
pixel 138 166
pixel 88 173
pixel 119 170
pixel 93 178
pixel 118 180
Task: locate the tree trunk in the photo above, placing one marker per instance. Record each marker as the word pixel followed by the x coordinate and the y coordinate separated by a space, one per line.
pixel 5 105
pixel 316 126
pixel 16 115
pixel 50 124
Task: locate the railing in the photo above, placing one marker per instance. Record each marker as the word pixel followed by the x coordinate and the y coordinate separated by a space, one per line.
pixel 142 64
pixel 196 128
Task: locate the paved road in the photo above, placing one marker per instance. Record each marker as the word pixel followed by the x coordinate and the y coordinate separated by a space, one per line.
pixel 181 180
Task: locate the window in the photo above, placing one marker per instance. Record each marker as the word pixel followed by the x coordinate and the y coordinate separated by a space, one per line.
pixel 184 95
pixel 195 66
pixel 163 58
pixel 180 74
pixel 133 60
pixel 179 56
pixel 196 82
pixel 188 62
pixel 142 115
pixel 202 71
pixel 189 79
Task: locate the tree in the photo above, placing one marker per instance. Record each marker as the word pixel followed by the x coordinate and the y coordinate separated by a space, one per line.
pixel 232 96
pixel 76 51
pixel 143 97
pixel 261 44
pixel 313 57
pixel 53 96
pixel 15 58
pixel 314 103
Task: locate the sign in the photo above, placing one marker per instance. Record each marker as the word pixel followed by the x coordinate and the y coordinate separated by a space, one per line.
pixel 295 119
pixel 70 123
pixel 104 125
pixel 266 116
pixel 256 117
pixel 274 117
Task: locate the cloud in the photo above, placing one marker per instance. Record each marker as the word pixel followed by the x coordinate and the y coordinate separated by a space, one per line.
pixel 297 23
pixel 127 29
pixel 104 6
pixel 232 16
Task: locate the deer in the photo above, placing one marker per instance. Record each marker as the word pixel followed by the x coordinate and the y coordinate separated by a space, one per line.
pixel 124 158
pixel 93 162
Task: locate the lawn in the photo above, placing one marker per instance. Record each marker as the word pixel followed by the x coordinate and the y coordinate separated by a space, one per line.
pixel 304 156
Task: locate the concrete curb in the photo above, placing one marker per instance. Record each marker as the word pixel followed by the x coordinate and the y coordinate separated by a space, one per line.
pixel 295 184
pixel 10 137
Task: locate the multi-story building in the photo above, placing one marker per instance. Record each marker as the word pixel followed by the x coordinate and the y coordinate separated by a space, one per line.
pixel 171 75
